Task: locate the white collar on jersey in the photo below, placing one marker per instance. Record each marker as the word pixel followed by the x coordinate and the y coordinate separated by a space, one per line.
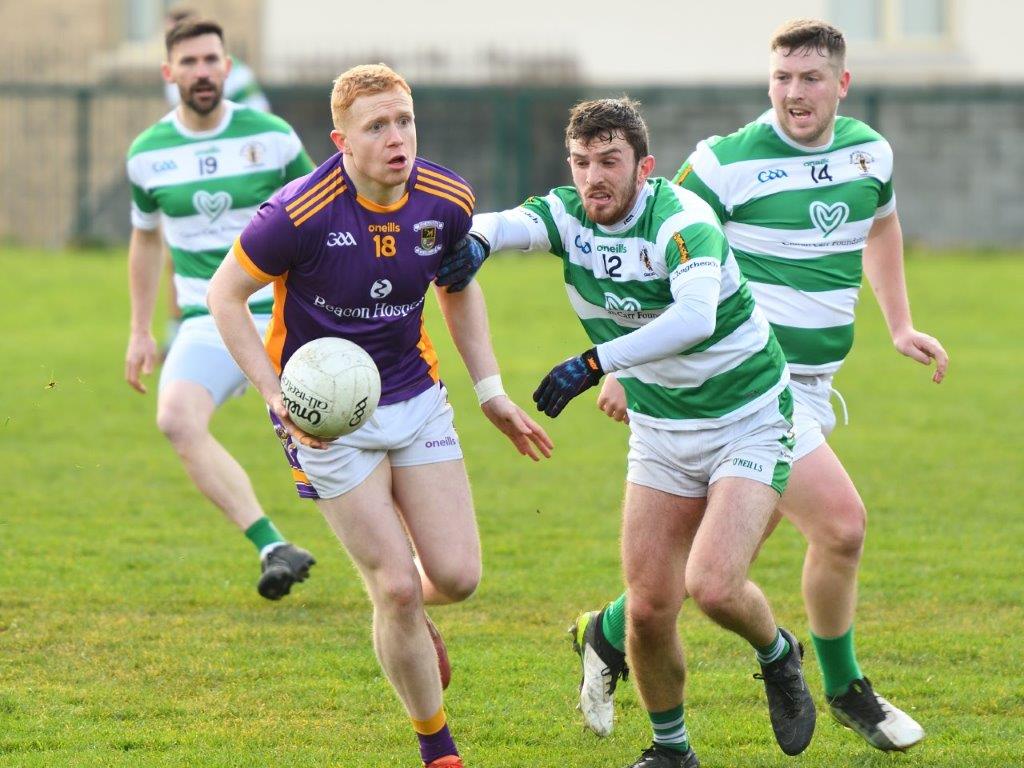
pixel 229 109
pixel 630 218
pixel 772 119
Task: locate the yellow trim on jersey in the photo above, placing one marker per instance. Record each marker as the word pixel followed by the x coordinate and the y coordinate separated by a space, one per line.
pixel 378 208
pixel 332 176
pixel 464 187
pixel 338 191
pixel 438 193
pixel 427 352
pixel 276 330
pixel 451 188
pixel 300 211
pixel 685 172
pixel 247 264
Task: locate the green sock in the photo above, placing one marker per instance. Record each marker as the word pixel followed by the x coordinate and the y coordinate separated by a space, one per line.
pixel 774 651
pixel 838 662
pixel 262 533
pixel 669 729
pixel 613 623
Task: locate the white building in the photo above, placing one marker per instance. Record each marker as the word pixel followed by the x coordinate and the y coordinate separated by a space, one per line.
pixel 641 42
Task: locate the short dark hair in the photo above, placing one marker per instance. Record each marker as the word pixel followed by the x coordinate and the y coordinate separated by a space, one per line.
pixel 811 34
pixel 603 119
pixel 189 28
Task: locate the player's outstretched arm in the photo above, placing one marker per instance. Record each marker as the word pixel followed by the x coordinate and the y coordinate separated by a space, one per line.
pixel 465 313
pixel 145 255
pixel 507 230
pixel 462 262
pixel 883 265
pixel 229 291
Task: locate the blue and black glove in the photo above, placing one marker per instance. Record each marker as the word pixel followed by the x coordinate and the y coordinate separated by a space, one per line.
pixel 462 262
pixel 566 380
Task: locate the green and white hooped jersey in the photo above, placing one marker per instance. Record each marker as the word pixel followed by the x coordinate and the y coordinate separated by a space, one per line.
pixel 797 219
pixel 203 188
pixel 620 278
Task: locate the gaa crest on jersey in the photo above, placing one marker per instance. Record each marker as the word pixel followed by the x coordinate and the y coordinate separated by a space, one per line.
pixel 164 165
pixel 428 231
pixel 253 153
pixel 211 206
pixel 862 161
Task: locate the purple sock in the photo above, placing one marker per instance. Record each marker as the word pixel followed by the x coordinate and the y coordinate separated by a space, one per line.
pixel 437 745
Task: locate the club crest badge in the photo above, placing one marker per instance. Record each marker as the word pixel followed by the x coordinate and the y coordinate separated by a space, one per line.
pixel 862 161
pixel 428 232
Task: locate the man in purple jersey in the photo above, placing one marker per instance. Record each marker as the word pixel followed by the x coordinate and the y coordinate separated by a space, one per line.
pixel 351 250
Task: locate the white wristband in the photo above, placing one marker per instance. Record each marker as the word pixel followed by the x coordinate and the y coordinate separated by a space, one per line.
pixel 489 388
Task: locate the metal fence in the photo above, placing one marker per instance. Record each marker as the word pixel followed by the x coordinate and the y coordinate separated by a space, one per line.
pixel 959 151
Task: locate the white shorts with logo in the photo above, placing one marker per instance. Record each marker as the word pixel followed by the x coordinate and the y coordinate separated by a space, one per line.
pixel 198 354
pixel 813 417
pixel 687 463
pixel 417 431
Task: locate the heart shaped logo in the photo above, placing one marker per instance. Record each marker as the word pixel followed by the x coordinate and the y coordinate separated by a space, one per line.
pixel 829 218
pixel 212 206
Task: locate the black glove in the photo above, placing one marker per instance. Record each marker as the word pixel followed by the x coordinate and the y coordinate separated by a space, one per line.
pixel 566 380
pixel 462 262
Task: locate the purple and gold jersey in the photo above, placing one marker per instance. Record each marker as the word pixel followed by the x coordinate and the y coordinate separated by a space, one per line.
pixel 344 266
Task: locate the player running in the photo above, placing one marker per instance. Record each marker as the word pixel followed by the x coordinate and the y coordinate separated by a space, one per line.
pixel 199 173
pixel 351 250
pixel 807 202
pixel 650 274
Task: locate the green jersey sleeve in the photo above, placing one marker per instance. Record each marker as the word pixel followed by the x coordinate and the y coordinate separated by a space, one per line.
pixel 546 210
pixel 700 241
pixel 145 208
pixel 299 166
pixel 296 161
pixel 886 194
pixel 701 174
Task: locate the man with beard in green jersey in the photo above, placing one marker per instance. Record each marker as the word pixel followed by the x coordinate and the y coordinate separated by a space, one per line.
pixel 807 204
pixel 650 274
pixel 199 174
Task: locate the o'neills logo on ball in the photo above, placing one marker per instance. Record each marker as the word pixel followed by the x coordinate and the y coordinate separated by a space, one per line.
pixel 301 404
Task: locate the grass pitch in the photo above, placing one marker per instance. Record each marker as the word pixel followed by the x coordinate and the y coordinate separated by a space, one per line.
pixel 131 633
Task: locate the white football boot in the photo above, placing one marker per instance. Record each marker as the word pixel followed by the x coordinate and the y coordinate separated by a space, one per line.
pixel 882 725
pixel 603 667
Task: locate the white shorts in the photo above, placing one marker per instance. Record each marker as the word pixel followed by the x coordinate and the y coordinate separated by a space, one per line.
pixel 198 354
pixel 813 417
pixel 417 431
pixel 683 463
